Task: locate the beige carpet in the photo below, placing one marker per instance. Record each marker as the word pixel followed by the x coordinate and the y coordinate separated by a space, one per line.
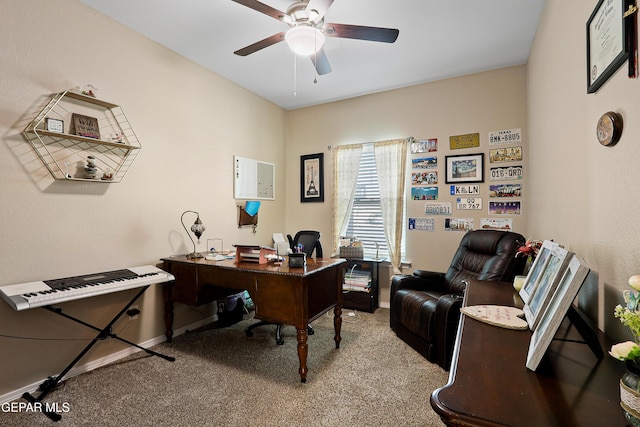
pixel 222 378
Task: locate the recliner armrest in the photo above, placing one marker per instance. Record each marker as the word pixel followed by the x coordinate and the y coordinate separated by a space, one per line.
pixel 426 281
pixel 448 302
pixel 428 275
pixel 446 323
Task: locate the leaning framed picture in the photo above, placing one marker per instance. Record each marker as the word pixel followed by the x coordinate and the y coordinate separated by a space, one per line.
pixel 537 268
pixel 561 300
pixel 607 47
pixel 464 168
pixel 547 284
pixel 312 178
pixel 85 126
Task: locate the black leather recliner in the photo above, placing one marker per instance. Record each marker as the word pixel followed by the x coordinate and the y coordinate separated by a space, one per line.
pixel 425 306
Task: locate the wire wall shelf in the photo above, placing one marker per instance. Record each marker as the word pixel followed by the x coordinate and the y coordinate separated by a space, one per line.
pixel 71 156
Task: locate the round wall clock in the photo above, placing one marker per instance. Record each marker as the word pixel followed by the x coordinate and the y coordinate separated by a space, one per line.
pixel 609 128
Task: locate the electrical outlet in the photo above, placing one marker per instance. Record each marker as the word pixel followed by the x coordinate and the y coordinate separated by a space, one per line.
pixel 133 312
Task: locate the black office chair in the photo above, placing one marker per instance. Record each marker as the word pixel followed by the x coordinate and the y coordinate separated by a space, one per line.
pixel 310 240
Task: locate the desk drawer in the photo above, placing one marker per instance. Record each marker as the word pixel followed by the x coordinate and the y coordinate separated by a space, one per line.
pixel 184 289
pixel 225 278
pixel 200 284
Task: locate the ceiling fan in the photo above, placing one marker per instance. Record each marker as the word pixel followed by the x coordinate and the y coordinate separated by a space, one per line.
pixel 307 30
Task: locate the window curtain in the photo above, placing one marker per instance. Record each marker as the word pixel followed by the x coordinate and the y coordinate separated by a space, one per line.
pixel 391 160
pixel 346 164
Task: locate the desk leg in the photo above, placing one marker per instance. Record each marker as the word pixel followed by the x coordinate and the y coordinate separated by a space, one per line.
pixel 302 354
pixel 167 290
pixel 337 324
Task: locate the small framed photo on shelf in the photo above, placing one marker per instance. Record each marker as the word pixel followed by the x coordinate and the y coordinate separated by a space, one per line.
pixel 464 168
pixel 312 178
pixel 54 125
pixel 85 126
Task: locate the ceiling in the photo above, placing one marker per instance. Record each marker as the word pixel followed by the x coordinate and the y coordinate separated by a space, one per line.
pixel 438 39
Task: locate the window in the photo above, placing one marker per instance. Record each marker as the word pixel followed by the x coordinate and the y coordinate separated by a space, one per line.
pixel 365 219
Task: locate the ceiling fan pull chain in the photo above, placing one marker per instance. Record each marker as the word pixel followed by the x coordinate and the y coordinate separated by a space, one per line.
pixel 315 56
pixel 295 76
pixel 315 73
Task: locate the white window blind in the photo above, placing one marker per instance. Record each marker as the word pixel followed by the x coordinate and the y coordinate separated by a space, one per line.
pixel 365 221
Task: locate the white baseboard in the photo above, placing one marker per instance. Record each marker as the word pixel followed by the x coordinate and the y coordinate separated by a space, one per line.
pixel 385 305
pixel 94 364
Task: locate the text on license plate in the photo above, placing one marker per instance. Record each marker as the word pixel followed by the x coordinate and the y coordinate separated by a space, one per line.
pixel 469 203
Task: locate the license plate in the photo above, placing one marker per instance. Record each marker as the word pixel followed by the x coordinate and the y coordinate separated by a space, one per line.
pixel 507 136
pixel 469 203
pixel 506 173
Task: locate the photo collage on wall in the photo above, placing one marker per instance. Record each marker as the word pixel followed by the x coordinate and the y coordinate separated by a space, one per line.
pixel 456 184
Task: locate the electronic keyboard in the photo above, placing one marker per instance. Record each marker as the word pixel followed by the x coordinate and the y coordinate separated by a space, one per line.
pixel 37 294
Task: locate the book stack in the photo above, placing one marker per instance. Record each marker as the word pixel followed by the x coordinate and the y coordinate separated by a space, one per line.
pixel 359 281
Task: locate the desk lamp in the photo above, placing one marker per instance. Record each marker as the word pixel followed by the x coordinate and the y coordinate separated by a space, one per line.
pixel 197 228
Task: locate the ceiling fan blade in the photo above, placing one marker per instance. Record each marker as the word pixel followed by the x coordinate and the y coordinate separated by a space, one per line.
pixel 320 6
pixel 276 38
pixel 321 62
pixel 374 34
pixel 263 8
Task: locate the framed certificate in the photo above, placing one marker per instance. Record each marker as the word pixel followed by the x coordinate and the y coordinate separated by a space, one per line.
pixel 607 49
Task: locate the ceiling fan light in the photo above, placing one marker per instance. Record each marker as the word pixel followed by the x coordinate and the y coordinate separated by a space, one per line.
pixel 304 39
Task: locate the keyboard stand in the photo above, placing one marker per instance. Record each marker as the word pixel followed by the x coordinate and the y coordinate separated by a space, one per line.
pixel 52 382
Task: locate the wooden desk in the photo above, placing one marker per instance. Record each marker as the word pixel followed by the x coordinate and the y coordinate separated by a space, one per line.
pixel 282 295
pixel 489 384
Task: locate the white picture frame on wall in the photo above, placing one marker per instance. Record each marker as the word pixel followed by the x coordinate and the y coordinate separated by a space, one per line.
pixel 253 179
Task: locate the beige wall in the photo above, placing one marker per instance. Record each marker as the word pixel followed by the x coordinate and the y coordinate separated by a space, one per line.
pixel 583 193
pixel 481 103
pixel 190 123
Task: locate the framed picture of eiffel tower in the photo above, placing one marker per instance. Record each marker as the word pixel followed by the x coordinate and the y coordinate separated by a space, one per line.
pixel 312 178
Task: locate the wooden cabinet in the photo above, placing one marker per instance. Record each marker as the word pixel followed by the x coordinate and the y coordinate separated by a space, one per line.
pixel 360 290
pixel 65 151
